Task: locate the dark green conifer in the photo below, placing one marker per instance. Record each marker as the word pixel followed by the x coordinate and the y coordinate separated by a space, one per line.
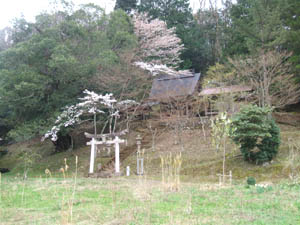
pixel 126 5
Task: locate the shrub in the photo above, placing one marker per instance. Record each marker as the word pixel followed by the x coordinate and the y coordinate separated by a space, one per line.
pixel 251 181
pixel 254 129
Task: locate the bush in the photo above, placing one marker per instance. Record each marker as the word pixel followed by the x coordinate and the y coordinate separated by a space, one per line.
pixel 254 129
pixel 251 181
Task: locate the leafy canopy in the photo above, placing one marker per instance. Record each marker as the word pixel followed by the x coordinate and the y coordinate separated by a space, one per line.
pixel 52 60
pixel 126 5
pixel 257 24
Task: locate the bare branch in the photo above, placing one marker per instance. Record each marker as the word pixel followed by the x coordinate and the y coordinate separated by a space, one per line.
pixel 270 75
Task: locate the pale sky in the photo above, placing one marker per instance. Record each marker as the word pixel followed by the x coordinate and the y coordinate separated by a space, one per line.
pixel 10 9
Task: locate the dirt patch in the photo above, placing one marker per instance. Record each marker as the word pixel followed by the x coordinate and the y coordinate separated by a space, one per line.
pixel 292 119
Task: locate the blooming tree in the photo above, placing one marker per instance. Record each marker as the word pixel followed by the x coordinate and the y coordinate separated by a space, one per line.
pixel 160 48
pixel 161 69
pixel 158 44
pixel 90 103
pixel 126 103
pixel 67 118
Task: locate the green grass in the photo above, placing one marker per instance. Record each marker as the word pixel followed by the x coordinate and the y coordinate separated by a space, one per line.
pixel 134 201
pixel 44 200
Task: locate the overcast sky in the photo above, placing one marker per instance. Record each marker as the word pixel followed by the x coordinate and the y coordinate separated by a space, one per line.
pixel 10 9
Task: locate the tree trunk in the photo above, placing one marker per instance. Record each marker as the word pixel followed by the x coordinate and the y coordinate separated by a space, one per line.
pixel 63 143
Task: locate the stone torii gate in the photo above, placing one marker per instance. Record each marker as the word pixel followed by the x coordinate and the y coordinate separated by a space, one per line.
pixel 116 141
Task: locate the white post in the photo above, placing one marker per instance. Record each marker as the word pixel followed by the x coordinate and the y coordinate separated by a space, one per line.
pixel 116 142
pixel 137 166
pixel 92 159
pixel 142 166
pixel 117 155
pixel 93 143
pixel 127 171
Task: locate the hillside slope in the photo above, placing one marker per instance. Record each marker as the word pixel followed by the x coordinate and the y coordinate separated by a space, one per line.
pixel 200 161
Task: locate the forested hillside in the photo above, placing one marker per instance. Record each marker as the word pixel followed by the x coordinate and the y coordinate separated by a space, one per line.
pixel 186 116
pixel 47 64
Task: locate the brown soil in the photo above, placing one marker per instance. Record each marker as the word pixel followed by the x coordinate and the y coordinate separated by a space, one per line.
pixel 292 119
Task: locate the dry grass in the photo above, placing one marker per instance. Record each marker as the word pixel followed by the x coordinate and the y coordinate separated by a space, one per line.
pixel 200 161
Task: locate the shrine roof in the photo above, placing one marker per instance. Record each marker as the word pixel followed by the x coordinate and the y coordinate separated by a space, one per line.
pixel 223 90
pixel 174 86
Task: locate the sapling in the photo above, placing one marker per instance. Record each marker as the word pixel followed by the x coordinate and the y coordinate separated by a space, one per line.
pixel 220 134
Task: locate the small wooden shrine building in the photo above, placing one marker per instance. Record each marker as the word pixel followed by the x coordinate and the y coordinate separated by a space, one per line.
pixel 175 92
pixel 224 98
pixel 182 94
pixel 177 86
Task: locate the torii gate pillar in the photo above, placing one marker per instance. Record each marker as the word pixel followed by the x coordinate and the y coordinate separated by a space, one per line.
pixel 93 144
pixel 117 141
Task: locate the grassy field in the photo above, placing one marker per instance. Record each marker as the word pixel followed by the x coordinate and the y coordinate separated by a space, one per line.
pixel 140 201
pixel 60 199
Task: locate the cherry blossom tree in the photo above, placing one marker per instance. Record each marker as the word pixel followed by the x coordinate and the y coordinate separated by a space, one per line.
pixel 91 103
pixel 157 43
pixel 159 47
pixel 67 118
pixel 155 69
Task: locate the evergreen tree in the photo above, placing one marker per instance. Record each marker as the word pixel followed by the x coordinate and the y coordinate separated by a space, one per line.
pixel 5 38
pixel 254 129
pixel 197 53
pixel 291 18
pixel 126 5
pixel 256 24
pixel 176 13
